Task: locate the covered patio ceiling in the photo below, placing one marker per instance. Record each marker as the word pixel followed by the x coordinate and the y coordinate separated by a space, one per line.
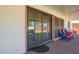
pixel 70 11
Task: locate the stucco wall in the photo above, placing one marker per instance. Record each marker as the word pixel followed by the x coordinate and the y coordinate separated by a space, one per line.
pixel 12 29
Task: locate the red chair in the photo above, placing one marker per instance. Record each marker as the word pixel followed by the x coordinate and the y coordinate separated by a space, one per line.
pixel 70 35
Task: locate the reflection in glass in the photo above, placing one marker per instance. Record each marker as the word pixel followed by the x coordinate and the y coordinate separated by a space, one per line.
pixel 46 29
pixel 57 27
pixel 31 31
pixel 38 27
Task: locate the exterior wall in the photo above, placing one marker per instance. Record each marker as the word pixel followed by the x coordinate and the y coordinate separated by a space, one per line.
pixel 12 29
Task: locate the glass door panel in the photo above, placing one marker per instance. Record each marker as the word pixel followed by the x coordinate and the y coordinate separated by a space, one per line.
pixel 38 27
pixel 57 27
pixel 31 29
pixel 61 23
pixel 46 28
pixel 49 27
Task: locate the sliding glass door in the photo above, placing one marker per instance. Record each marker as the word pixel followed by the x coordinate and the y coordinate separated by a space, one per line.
pixel 39 28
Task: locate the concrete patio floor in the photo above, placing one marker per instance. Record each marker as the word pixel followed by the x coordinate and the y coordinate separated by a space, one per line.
pixel 61 47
